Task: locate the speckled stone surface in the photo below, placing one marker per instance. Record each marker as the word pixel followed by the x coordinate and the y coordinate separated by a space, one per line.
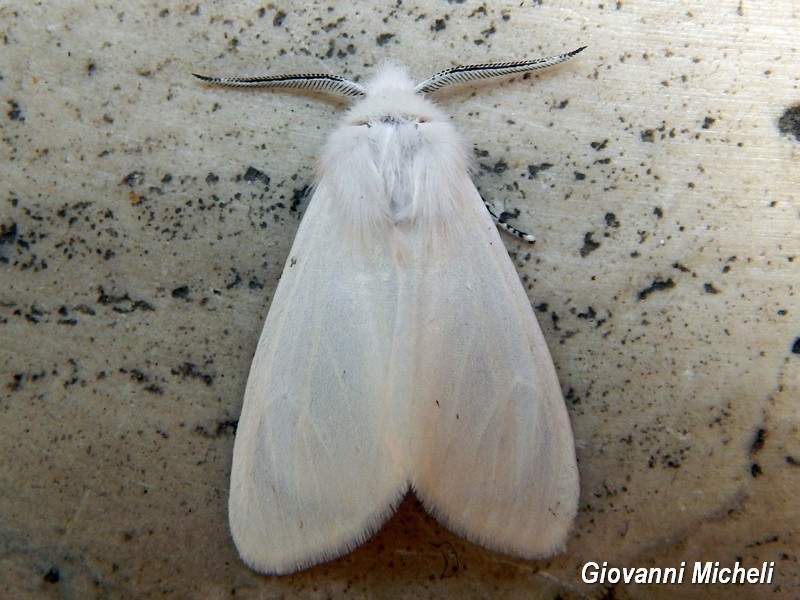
pixel 145 219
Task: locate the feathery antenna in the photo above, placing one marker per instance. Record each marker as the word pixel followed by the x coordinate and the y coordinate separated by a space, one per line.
pixel 307 81
pixel 468 73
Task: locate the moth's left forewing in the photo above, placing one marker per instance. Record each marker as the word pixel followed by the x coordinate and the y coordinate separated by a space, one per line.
pixel 494 456
pixel 317 465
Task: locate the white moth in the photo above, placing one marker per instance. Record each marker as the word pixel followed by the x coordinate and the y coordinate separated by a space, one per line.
pixel 400 351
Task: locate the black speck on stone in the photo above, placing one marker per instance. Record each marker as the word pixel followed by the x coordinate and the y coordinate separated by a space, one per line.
pixel 15 112
pixel 758 440
pixel 228 426
pixel 710 289
pixel 52 576
pixel 122 304
pixel 8 233
pixel 611 220
pixel 188 369
pixel 280 16
pixel 572 397
pixel 708 122
pixel 680 267
pixel 500 167
pixel 105 298
pixel 139 305
pixel 438 25
pixel 755 470
pixel 657 286
pixel 648 135
pixel 136 375
pixel 384 38
pixel 17 381
pixel 212 178
pixel 658 212
pixel 236 281
pixel 599 145
pixel 253 174
pixel 796 346
pixel 298 196
pixel 181 292
pixel 589 245
pixel 579 176
pixel 85 310
pixel 133 178
pixel 533 170
pixel 789 122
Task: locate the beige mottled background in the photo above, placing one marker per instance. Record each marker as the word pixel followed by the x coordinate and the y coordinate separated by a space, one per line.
pixel 145 219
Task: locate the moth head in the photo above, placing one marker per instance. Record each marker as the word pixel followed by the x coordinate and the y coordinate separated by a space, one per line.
pixel 390 96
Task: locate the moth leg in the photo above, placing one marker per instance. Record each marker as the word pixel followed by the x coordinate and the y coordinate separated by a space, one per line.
pixel 506 227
